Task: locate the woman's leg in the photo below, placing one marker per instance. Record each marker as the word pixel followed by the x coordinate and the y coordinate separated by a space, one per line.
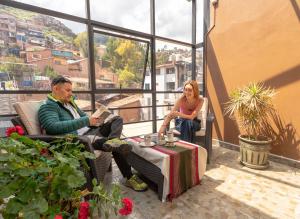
pixel 186 130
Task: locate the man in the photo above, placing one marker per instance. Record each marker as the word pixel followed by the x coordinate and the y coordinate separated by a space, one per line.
pixel 60 115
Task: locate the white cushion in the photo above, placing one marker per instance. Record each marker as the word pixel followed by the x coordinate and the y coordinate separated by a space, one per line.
pixel 28 112
pixel 202 115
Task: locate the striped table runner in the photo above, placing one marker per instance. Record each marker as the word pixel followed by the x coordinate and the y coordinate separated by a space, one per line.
pixel 183 166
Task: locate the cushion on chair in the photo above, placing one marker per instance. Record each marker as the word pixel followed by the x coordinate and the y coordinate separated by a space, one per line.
pixel 28 112
pixel 202 115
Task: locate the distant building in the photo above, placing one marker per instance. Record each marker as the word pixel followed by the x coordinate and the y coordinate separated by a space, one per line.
pixel 170 76
pixel 8 29
pixel 128 115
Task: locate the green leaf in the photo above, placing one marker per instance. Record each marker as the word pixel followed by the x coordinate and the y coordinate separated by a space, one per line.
pixel 14 206
pixel 5 192
pixel 61 158
pixel 76 180
pixel 94 182
pixel 40 204
pixel 30 151
pixel 89 155
pixel 27 194
pixel 43 169
pixel 25 172
pixel 4 157
pixel 31 214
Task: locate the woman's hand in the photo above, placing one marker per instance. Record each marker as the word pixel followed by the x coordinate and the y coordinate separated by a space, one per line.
pixel 162 130
pixel 173 114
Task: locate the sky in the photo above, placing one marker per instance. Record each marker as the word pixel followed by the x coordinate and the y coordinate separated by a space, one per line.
pixel 173 17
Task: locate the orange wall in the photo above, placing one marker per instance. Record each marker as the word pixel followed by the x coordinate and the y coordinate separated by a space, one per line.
pixel 256 40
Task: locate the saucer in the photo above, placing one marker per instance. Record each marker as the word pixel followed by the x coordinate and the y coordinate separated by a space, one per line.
pixel 174 139
pixel 142 144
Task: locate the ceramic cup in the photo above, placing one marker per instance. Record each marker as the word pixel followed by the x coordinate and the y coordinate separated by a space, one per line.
pixel 147 139
pixel 161 139
pixel 170 136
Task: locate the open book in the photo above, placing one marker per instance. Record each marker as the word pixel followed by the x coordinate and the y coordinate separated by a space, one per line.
pixel 103 114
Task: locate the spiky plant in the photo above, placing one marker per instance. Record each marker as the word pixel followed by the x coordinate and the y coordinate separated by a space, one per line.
pixel 253 106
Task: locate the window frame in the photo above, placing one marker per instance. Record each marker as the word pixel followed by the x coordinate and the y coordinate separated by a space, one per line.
pixel 152 37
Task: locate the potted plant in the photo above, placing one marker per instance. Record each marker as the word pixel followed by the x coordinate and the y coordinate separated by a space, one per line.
pixel 46 180
pixel 253 107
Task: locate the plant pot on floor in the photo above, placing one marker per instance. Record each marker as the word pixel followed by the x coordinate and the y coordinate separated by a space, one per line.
pixel 254 153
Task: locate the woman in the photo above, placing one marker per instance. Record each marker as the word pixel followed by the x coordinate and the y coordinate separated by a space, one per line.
pixel 186 108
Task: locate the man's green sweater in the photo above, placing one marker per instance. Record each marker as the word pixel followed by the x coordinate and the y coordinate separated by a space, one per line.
pixel 57 120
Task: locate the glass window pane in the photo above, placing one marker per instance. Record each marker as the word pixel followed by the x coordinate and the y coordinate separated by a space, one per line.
pixel 167 99
pixel 174 19
pixel 173 66
pixel 83 101
pixel 34 48
pixel 199 21
pixel 77 8
pixel 199 69
pixel 130 14
pixel 8 100
pixel 120 62
pixel 116 101
pixel 136 129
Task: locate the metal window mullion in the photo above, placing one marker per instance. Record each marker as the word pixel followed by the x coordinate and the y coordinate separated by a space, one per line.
pixel 153 65
pixel 121 36
pixel 206 13
pixel 91 65
pixel 194 5
pixel 173 41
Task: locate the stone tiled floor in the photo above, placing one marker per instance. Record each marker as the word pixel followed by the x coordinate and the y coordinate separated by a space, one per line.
pixel 228 190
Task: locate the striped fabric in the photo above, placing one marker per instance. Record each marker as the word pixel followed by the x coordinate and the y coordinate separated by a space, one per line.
pixel 183 166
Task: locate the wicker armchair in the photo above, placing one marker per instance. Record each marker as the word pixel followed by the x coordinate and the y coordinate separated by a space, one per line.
pixel 98 167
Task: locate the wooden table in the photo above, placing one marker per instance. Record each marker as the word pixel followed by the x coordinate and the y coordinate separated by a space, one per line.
pixel 173 169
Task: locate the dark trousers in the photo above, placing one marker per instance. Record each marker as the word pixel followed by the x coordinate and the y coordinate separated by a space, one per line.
pixel 187 128
pixel 113 129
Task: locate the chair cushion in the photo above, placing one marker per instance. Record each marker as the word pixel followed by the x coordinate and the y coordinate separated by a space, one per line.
pixel 202 115
pixel 28 112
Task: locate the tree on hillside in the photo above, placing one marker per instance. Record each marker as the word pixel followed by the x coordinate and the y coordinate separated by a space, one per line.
pixel 127 58
pixel 126 77
pixel 161 57
pixel 81 42
pixel 50 72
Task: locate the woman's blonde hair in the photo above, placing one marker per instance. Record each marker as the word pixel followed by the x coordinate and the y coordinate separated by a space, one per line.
pixel 195 87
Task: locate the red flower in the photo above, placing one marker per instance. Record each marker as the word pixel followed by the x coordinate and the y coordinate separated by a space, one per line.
pixel 11 130
pixel 20 130
pixel 83 210
pixel 44 152
pixel 127 206
pixel 58 216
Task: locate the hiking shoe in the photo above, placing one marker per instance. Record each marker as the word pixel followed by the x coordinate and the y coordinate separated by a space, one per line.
pixel 136 184
pixel 117 145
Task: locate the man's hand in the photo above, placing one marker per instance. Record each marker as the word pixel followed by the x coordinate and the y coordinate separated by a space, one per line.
pixel 94 121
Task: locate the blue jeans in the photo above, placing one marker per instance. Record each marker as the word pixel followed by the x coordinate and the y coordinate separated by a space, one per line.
pixel 187 128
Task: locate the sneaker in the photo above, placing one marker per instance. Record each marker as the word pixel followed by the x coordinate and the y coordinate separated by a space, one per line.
pixel 117 145
pixel 136 184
